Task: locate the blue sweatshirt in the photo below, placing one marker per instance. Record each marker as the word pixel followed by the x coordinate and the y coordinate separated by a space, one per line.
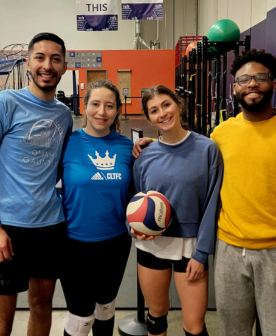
pixel 96 174
pixel 189 175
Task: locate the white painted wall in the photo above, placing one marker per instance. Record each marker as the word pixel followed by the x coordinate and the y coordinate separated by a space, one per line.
pixel 270 4
pixel 207 15
pixel 21 20
pixel 246 13
pixel 179 20
pixel 185 18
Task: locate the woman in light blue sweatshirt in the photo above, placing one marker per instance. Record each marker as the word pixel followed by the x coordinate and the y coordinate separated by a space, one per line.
pixel 187 168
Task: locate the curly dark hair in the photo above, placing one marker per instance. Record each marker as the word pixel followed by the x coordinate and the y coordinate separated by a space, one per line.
pixel 102 83
pixel 161 89
pixel 253 55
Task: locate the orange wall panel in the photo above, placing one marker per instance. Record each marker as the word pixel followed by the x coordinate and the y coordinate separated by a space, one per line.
pixel 148 68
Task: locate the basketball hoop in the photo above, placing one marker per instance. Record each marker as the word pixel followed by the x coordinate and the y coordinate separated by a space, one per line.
pixel 15 49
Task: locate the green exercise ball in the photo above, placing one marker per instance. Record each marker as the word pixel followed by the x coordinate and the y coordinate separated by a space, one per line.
pixel 223 30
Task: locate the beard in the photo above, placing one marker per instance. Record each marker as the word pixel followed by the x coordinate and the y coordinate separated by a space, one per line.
pixel 257 107
pixel 44 88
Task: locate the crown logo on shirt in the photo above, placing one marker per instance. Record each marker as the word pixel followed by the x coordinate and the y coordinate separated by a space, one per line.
pixel 105 163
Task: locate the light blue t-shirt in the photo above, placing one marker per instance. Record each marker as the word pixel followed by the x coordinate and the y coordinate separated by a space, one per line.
pixel 96 173
pixel 32 132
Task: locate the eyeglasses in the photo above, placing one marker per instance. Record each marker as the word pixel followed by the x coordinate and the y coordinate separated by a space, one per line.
pixel 260 78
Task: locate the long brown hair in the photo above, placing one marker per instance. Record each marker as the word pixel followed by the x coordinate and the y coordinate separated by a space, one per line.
pixel 161 89
pixel 102 83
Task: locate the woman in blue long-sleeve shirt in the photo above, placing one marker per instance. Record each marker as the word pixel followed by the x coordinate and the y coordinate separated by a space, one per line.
pixel 187 168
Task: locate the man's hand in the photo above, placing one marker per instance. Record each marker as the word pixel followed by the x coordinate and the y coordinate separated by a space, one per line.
pixel 137 148
pixel 6 250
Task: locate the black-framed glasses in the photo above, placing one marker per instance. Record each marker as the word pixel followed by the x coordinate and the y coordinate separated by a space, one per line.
pixel 260 78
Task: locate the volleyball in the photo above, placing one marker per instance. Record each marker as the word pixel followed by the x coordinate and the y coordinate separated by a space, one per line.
pixel 149 213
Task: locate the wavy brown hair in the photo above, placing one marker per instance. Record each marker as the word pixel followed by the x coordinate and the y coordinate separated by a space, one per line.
pixel 110 86
pixel 161 89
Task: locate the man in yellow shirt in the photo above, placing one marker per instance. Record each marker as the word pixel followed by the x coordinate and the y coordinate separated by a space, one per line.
pixel 245 260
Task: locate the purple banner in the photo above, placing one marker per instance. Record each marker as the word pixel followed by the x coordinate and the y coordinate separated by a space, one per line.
pixel 97 22
pixel 132 11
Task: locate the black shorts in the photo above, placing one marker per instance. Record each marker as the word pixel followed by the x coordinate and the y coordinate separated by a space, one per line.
pixel 148 260
pixel 93 272
pixel 37 253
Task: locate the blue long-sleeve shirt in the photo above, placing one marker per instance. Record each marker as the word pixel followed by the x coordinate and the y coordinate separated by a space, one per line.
pixel 189 175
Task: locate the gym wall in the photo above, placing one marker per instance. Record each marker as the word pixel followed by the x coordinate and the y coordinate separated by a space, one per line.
pixel 254 17
pixel 179 20
pixel 148 68
pixel 246 13
pixel 20 22
pixel 263 33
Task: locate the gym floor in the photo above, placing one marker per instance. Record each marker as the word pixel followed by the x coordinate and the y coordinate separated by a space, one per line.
pixel 60 316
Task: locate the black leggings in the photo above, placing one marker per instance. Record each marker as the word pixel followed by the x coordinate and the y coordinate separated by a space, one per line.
pixel 93 272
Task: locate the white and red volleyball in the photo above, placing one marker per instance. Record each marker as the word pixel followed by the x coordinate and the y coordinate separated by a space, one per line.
pixel 149 213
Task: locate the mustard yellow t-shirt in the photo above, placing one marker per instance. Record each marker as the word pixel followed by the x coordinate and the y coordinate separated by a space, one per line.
pixel 248 193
